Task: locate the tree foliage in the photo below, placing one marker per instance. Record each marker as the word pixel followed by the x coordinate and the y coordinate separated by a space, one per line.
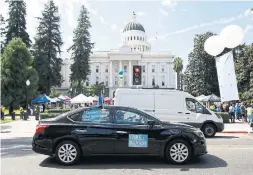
pixel 95 89
pixel 244 71
pixel 201 75
pixel 178 67
pixel 16 23
pixel 54 93
pixel 2 32
pixel 81 50
pixel 47 48
pixel 16 69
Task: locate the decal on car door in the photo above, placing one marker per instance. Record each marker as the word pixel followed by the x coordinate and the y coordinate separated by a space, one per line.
pixel 138 140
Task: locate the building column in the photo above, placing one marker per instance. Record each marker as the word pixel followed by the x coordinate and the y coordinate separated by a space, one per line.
pixel 110 81
pixel 120 69
pixel 130 69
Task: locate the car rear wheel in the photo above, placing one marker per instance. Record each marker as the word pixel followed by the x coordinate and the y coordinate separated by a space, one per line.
pixel 209 130
pixel 67 152
pixel 178 152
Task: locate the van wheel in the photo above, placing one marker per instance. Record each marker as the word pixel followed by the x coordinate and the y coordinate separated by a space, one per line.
pixel 209 130
pixel 178 152
pixel 67 153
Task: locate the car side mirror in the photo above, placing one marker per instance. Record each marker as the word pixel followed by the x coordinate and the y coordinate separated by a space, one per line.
pixel 151 122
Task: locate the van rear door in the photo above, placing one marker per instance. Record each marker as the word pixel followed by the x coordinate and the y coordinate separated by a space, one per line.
pixel 143 100
pixel 169 107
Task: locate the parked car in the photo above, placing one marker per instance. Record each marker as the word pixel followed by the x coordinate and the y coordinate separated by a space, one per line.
pixel 115 130
pixel 173 106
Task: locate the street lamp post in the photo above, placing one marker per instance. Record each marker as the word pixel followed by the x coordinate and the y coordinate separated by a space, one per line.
pixel 27 85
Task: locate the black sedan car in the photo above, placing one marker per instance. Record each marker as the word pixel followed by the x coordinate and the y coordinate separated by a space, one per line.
pixel 115 130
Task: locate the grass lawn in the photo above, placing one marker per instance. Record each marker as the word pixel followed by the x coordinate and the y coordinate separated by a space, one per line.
pixel 6 112
pixel 8 119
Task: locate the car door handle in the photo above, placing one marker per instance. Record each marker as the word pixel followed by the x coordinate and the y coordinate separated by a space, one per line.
pixel 81 130
pixel 180 112
pixel 187 113
pixel 121 132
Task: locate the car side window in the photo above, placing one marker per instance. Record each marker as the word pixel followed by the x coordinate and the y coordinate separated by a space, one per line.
pixel 93 115
pixel 194 106
pixel 130 117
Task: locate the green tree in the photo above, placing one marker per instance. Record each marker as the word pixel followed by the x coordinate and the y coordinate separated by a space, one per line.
pixel 178 67
pixel 16 23
pixel 2 32
pixel 96 89
pixel 201 75
pixel 77 89
pixel 81 50
pixel 47 49
pixel 55 93
pixel 16 69
pixel 244 71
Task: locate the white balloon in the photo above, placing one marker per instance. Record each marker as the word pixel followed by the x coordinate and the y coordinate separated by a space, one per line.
pixel 214 45
pixel 232 36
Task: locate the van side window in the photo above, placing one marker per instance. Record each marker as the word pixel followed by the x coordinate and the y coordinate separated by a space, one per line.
pixel 194 106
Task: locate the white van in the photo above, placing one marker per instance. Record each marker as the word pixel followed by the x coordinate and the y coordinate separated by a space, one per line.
pixel 172 106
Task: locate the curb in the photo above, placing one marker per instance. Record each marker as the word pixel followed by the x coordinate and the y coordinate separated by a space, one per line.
pixel 234 132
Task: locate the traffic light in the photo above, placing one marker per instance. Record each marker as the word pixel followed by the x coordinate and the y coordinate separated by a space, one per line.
pixel 136 75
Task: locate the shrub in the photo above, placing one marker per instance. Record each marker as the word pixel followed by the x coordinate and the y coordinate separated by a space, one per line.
pixel 48 115
pixel 60 111
pixel 224 116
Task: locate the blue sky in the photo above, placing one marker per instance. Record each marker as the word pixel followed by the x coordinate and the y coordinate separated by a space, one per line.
pixel 170 25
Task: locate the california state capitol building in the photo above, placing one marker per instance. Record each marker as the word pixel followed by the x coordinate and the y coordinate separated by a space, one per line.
pixel 157 67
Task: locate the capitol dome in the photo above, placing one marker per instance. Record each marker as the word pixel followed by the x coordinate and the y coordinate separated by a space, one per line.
pixel 134 35
pixel 134 26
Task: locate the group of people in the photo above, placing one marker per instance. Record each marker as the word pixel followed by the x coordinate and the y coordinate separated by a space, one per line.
pixel 240 111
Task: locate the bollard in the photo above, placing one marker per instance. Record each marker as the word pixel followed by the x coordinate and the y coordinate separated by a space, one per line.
pixel 13 117
pixel 37 115
pixel 25 115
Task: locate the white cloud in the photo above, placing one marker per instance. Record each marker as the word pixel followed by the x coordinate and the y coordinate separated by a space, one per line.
pixel 184 10
pixel 113 26
pixel 248 12
pixel 163 12
pixel 220 21
pixel 102 19
pixel 140 13
pixel 248 28
pixel 169 3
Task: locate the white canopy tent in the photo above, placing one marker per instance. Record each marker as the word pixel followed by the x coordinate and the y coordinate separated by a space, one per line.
pixel 201 97
pixel 80 99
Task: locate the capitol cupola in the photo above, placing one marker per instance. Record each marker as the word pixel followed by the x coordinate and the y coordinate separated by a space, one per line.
pixel 134 36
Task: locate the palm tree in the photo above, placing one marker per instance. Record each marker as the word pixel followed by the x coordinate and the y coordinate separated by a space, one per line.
pixel 178 67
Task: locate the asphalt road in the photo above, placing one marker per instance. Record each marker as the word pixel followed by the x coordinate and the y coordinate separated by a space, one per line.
pixel 231 155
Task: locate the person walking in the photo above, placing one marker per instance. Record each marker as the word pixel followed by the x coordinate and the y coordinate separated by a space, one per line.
pixel 250 114
pixel 243 112
pixel 2 112
pixel 231 112
pixel 21 111
pixel 237 111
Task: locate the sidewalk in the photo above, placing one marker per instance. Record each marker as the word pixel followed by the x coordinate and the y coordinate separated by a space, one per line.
pixel 19 128
pixel 239 127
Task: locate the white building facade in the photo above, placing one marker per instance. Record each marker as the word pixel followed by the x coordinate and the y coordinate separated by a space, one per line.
pixel 157 68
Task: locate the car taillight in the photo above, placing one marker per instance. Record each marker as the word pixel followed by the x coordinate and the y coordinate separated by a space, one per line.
pixel 41 128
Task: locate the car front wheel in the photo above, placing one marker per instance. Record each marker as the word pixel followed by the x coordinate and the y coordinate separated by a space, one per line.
pixel 67 153
pixel 178 152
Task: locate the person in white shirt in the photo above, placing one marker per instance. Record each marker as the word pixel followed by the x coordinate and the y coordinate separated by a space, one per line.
pixel 231 112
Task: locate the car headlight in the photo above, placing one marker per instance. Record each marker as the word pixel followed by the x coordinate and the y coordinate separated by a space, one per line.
pixel 198 133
